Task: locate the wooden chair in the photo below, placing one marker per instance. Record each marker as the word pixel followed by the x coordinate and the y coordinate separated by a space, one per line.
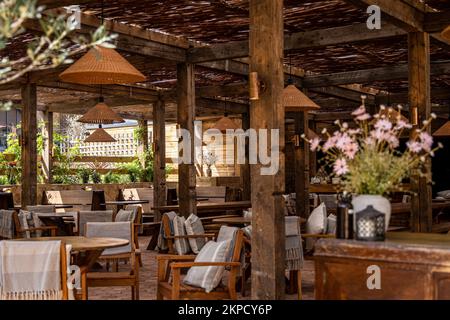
pixel 123 230
pixel 24 231
pixel 170 238
pixel 137 225
pixel 92 216
pixel 139 194
pixel 176 289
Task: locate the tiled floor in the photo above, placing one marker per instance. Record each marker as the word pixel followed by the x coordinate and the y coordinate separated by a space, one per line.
pixel 148 281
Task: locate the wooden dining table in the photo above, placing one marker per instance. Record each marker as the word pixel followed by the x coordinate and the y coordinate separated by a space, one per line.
pixel 122 203
pixel 399 208
pixel 239 221
pixel 210 206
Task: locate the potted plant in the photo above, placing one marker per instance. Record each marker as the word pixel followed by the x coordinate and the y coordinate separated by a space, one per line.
pixel 209 159
pixel 368 159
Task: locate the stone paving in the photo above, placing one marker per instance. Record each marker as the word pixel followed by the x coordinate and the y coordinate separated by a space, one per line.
pixel 147 278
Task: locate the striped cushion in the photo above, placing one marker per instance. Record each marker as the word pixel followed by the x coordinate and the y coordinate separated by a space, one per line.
pixel 181 245
pixel 194 226
pixel 228 234
pixel 208 277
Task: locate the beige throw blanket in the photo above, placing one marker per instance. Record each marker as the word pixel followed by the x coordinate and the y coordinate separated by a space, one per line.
pixel 30 270
pixel 294 249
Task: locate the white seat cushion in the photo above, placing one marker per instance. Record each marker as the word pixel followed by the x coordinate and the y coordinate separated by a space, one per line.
pixel 317 223
pixel 208 277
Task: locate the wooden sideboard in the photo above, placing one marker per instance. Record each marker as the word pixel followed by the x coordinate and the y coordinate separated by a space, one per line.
pixel 411 266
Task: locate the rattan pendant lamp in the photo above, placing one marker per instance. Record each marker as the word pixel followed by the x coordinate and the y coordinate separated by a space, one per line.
pixel 102 65
pixel 294 100
pixel 444 131
pixel 225 123
pixel 446 33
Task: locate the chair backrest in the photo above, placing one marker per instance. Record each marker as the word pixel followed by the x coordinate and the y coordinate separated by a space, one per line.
pixel 42 208
pixel 33 270
pixel 137 212
pixel 121 230
pixel 98 200
pixel 24 220
pixel 7 224
pixel 6 201
pixel 172 196
pixel 92 216
pixel 140 194
pixel 80 199
pixel 214 194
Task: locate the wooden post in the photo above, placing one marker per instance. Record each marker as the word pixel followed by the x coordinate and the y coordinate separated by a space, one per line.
pixel 29 146
pixel 302 167
pixel 186 114
pixel 47 153
pixel 419 97
pixel 142 143
pixel 268 240
pixel 245 168
pixel 313 155
pixel 159 156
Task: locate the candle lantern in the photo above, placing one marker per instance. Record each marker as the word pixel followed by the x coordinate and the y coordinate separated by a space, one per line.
pixel 370 225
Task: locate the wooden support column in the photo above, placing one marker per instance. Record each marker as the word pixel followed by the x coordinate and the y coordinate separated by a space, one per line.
pixel 47 153
pixel 29 146
pixel 302 166
pixel 245 168
pixel 142 143
pixel 186 114
pixel 419 97
pixel 159 156
pixel 268 239
pixel 313 155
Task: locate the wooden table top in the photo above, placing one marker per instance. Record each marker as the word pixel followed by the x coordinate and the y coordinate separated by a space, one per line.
pixel 57 206
pixel 84 243
pixel 54 214
pixel 210 206
pixel 124 202
pixel 240 220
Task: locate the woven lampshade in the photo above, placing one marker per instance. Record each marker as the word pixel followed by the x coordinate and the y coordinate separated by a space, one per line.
pixel 392 114
pixel 296 101
pixel 311 134
pixel 100 135
pixel 102 65
pixel 443 131
pixel 446 33
pixel 225 123
pixel 101 114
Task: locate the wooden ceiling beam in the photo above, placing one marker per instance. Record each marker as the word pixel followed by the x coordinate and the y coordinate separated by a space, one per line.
pixel 369 75
pixel 296 41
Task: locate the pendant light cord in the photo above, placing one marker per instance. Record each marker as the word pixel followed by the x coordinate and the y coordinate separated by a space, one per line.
pixel 290 80
pixel 101 99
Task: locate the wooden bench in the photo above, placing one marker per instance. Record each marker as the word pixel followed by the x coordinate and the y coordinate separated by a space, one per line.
pixel 81 200
pixel 212 194
pixel 139 194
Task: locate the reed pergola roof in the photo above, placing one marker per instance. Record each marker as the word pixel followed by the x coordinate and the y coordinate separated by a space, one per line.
pixel 331 53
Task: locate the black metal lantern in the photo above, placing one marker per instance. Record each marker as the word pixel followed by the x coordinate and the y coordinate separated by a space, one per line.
pixel 370 225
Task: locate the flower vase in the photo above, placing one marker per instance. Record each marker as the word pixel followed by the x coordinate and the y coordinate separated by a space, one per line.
pixel 379 202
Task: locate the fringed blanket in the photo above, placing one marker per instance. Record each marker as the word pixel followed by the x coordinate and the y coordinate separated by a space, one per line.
pixel 294 249
pixel 30 270
pixel 162 242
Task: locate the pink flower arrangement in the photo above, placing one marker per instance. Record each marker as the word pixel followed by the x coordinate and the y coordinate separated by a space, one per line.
pixel 367 159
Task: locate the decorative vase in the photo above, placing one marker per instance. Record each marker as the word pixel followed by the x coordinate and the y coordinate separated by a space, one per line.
pixel 380 204
pixel 209 172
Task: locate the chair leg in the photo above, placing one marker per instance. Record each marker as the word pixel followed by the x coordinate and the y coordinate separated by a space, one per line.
pixel 84 288
pixel 299 284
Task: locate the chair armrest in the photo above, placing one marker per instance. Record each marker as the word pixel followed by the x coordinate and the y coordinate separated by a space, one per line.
pixel 318 236
pixel 178 265
pixel 193 236
pixel 40 228
pixel 174 257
